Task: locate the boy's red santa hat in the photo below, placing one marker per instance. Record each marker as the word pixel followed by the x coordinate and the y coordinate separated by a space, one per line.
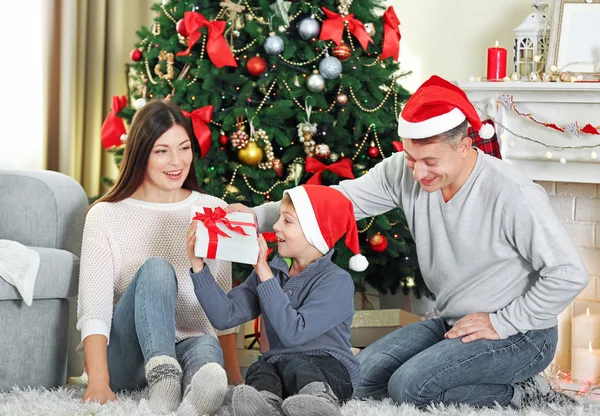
pixel 437 107
pixel 325 215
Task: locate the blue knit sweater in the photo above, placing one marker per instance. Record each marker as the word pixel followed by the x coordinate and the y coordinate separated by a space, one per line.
pixel 309 313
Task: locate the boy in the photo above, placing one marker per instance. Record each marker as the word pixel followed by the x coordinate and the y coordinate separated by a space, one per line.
pixel 307 308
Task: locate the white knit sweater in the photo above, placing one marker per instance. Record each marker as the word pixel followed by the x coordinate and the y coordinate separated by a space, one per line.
pixel 118 238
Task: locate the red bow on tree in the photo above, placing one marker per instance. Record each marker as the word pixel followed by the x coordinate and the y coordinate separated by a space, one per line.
pixel 217 48
pixel 341 168
pixel 200 119
pixel 113 127
pixel 333 28
pixel 391 35
pixel 269 238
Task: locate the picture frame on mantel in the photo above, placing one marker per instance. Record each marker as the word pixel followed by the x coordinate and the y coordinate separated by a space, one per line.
pixel 575 38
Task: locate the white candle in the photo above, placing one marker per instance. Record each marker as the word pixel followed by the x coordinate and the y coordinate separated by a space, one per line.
pixel 585 328
pixel 585 364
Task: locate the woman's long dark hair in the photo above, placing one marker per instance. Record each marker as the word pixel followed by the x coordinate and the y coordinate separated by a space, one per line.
pixel 149 123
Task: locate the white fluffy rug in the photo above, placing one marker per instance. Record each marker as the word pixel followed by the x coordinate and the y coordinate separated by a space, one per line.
pixel 67 402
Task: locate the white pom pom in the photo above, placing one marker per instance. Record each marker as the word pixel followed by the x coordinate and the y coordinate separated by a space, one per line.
pixel 486 131
pixel 358 263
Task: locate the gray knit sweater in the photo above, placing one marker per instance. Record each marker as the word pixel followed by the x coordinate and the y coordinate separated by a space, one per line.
pixel 309 313
pixel 495 247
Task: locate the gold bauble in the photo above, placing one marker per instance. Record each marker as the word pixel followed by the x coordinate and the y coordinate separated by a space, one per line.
pixel 251 155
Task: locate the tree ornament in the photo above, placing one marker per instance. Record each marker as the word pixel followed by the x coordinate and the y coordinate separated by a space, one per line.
pixel 370 29
pixel 378 243
pixel 322 151
pixel 256 65
pixel 330 67
pixel 295 171
pixel 136 55
pixel 196 8
pixel 180 27
pixel 274 44
pixel 139 103
pixel 342 52
pixel 315 82
pixel 341 99
pixel 334 157
pixel 309 28
pixel 307 130
pixel 373 151
pixel 239 139
pixel 278 167
pixel 223 139
pixel 251 155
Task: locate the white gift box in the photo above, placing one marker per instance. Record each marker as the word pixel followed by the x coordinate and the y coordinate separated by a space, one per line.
pixel 218 235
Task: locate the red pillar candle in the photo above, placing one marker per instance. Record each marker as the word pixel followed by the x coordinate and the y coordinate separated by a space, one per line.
pixel 496 64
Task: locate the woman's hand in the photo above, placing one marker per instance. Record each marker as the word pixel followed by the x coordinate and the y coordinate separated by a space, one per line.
pixel 262 267
pixel 190 238
pixel 99 393
pixel 241 208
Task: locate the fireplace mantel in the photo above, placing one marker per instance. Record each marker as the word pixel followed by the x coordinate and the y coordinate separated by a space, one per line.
pixel 560 103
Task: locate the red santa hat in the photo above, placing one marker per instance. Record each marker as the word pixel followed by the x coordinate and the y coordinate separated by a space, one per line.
pixel 325 215
pixel 437 107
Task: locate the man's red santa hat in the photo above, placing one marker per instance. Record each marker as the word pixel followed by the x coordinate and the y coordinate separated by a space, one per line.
pixel 325 215
pixel 437 107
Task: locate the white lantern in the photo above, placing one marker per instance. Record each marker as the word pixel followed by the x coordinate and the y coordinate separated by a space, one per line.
pixel 531 41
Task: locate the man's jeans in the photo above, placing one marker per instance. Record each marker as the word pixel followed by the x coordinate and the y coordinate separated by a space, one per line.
pixel 292 372
pixel 143 327
pixel 417 365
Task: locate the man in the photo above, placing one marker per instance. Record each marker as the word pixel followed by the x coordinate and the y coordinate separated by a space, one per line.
pixel 490 248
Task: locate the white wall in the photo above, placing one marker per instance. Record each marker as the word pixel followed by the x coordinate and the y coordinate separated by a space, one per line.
pixel 450 38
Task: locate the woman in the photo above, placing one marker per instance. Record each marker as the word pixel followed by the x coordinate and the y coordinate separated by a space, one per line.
pixel 138 315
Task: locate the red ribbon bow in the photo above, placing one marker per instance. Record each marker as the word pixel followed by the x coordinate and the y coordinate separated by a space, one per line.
pixel 391 35
pixel 270 237
pixel 200 119
pixel 217 48
pixel 341 168
pixel 113 127
pixel 210 219
pixel 333 28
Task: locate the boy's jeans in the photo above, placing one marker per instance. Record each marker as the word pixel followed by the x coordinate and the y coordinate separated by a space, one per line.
pixel 143 327
pixel 417 365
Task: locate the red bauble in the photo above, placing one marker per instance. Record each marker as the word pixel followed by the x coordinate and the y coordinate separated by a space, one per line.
pixel 223 139
pixel 378 243
pixel 136 55
pixel 373 152
pixel 180 27
pixel 256 65
pixel 342 52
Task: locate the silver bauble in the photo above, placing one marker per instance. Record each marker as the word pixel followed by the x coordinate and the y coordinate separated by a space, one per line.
pixel 330 67
pixel 139 103
pixel 315 83
pixel 309 28
pixel 274 45
pixel 370 29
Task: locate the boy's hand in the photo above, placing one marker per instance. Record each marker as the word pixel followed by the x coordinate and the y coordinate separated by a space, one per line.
pixel 190 238
pixel 242 208
pixel 262 267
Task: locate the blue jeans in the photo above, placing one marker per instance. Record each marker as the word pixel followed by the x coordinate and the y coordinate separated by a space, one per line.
pixel 417 365
pixel 143 327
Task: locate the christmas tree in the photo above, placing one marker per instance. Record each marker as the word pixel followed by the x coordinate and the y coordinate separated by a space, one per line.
pixel 281 93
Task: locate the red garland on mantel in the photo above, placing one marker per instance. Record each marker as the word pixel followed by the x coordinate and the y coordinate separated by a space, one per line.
pixel 571 128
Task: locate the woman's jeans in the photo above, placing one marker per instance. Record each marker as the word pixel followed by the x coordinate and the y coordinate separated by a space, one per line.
pixel 417 365
pixel 143 327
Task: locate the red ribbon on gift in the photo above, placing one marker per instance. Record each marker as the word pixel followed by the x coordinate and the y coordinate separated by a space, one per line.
pixel 217 47
pixel 341 168
pixel 333 28
pixel 210 219
pixel 200 119
pixel 113 127
pixel 391 35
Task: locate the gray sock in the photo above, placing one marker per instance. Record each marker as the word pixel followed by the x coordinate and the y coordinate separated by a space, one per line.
pixel 247 401
pixel 314 399
pixel 163 374
pixel 206 391
pixel 536 391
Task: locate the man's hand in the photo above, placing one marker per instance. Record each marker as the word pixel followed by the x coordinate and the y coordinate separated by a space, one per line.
pixel 99 393
pixel 262 267
pixel 190 238
pixel 241 208
pixel 473 326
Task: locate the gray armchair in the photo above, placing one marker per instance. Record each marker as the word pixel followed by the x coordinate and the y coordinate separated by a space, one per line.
pixel 45 211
